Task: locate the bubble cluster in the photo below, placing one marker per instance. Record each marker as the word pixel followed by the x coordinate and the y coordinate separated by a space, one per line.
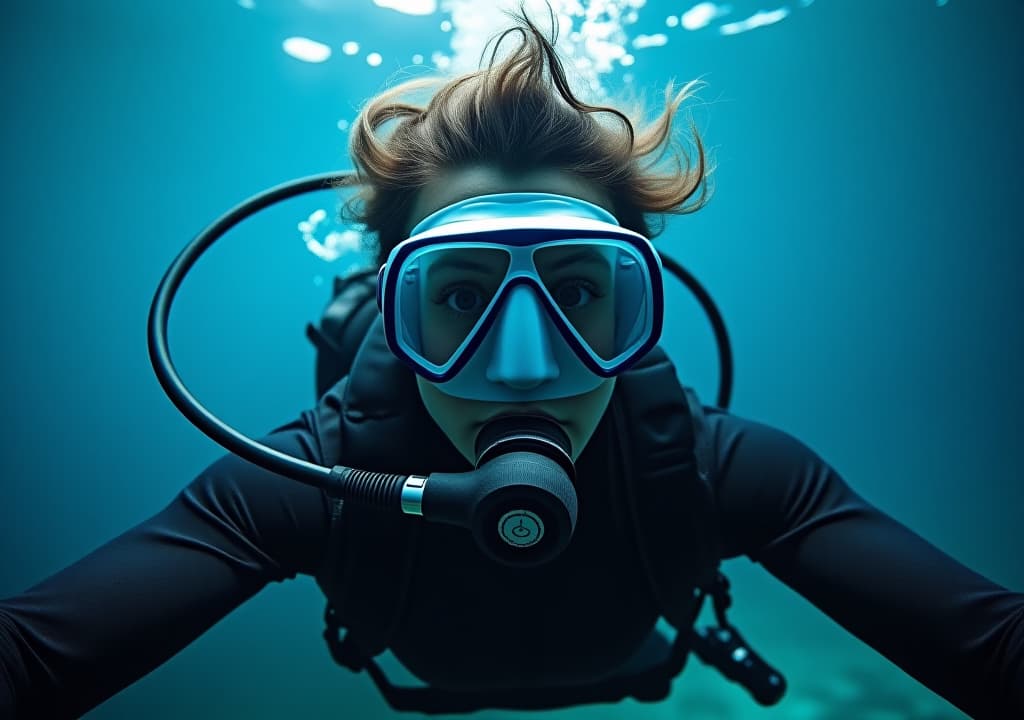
pixel 306 50
pixel 409 7
pixel 758 19
pixel 335 243
pixel 701 15
pixel 591 35
pixel 647 41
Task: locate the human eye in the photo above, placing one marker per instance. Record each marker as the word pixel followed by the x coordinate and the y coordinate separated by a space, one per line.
pixel 461 299
pixel 576 293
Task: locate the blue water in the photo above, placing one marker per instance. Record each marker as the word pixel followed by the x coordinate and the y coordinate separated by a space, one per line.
pixel 863 244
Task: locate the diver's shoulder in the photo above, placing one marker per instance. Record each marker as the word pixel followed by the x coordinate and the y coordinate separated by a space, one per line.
pixel 731 432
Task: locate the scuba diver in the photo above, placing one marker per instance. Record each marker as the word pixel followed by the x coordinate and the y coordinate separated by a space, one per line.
pixel 502 481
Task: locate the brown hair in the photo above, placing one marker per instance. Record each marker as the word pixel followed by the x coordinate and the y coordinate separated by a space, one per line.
pixel 507 114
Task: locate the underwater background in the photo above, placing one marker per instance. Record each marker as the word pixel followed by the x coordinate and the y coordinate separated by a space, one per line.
pixel 863 244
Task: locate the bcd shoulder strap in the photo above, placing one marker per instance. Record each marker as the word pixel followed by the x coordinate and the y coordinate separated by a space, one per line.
pixel 666 472
pixel 369 559
pixel 343 326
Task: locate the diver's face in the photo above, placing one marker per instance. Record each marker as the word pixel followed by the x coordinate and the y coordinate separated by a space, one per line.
pixel 460 418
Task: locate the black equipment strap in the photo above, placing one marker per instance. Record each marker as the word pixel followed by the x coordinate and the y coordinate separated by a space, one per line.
pixel 371 552
pixel 666 475
pixel 343 327
pixel 373 590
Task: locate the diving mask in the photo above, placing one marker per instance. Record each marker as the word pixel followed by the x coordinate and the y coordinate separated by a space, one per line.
pixel 521 297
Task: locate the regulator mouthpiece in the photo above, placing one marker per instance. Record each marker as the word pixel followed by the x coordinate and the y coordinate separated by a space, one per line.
pixel 519 503
pixel 531 510
pixel 533 433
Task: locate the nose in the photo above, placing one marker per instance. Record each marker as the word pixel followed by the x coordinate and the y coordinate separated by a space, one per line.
pixel 521 356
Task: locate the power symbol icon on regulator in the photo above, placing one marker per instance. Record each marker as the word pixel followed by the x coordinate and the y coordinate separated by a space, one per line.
pixel 520 528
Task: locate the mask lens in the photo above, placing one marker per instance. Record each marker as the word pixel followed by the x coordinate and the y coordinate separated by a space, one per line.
pixel 442 295
pixel 602 289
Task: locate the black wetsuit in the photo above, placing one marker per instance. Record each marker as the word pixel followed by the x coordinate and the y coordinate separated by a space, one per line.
pixel 93 628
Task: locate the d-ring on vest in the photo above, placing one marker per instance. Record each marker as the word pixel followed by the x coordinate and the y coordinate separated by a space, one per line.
pixel 663 464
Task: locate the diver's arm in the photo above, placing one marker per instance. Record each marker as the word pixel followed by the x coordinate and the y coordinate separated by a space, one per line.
pixel 83 634
pixel 953 630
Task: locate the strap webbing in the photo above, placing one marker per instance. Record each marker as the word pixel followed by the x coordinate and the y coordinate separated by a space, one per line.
pixel 668 494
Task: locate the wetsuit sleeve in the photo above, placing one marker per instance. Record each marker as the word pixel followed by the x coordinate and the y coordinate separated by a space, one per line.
pixel 956 632
pixel 83 634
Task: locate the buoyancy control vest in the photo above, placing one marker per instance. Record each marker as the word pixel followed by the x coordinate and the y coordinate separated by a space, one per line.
pixel 663 471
